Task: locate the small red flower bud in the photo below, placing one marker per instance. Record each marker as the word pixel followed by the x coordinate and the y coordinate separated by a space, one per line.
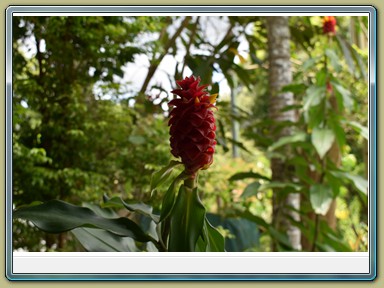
pixel 329 25
pixel 192 125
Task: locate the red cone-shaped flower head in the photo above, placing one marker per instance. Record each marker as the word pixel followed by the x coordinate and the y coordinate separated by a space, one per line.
pixel 192 125
pixel 329 25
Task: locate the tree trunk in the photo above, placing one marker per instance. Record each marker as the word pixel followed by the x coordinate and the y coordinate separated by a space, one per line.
pixel 280 75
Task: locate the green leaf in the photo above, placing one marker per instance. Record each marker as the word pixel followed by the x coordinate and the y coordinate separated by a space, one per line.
pixel 359 182
pixel 280 237
pixel 294 88
pixel 97 240
pixel 214 239
pixel 187 221
pixel 309 63
pixel 250 190
pixel 254 218
pixel 245 175
pixel 201 245
pixel 238 144
pixel 298 137
pixel 321 197
pixel 347 54
pixel 282 185
pixel 162 175
pixel 345 94
pixel 335 61
pixel 170 196
pixel 314 95
pixel 136 139
pixel 57 216
pixel 322 139
pixel 363 130
pixel 140 208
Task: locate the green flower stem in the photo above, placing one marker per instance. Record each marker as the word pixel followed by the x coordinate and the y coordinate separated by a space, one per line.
pixel 191 182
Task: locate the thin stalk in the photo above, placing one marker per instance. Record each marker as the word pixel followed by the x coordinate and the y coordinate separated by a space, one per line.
pixel 316 233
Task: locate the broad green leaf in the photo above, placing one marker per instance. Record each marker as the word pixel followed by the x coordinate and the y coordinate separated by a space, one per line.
pixel 187 221
pixel 250 190
pixel 309 63
pixel 294 88
pixel 334 123
pixel 162 175
pixel 359 182
pixel 298 137
pixel 321 77
pixel 140 208
pixel 245 175
pixel 254 218
pixel 335 61
pixel 201 245
pixel 136 139
pixel 238 144
pixel 57 216
pixel 214 239
pixel 322 139
pixel 170 196
pixel 97 240
pixel 321 197
pixel 281 238
pixel 282 185
pixel 345 94
pixel 347 54
pixel 363 130
pixel 314 95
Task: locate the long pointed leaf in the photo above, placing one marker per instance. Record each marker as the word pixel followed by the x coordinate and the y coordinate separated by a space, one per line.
pixel 187 221
pixel 163 174
pixel 140 208
pixel 214 239
pixel 170 196
pixel 57 216
pixel 97 240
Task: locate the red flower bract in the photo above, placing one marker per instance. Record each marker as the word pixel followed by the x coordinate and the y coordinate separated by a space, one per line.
pixel 192 125
pixel 329 25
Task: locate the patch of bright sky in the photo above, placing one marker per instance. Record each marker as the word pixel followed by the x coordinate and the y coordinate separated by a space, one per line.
pixel 134 73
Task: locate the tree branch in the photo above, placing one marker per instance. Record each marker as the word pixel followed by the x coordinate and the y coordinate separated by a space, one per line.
pixel 156 61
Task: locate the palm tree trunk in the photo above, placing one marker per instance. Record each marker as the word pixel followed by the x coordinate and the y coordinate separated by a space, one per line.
pixel 280 75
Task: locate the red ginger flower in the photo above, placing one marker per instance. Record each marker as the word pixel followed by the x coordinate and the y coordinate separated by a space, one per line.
pixel 329 25
pixel 192 125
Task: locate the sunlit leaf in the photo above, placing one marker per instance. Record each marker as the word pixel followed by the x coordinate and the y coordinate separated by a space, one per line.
pixel 314 95
pixel 250 190
pixel 298 137
pixel 162 175
pixel 321 197
pixel 363 130
pixel 345 94
pixel 280 185
pixel 335 61
pixel 245 175
pixel 322 139
pixel 359 182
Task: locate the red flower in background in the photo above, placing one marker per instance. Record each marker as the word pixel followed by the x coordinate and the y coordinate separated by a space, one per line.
pixel 192 125
pixel 329 25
